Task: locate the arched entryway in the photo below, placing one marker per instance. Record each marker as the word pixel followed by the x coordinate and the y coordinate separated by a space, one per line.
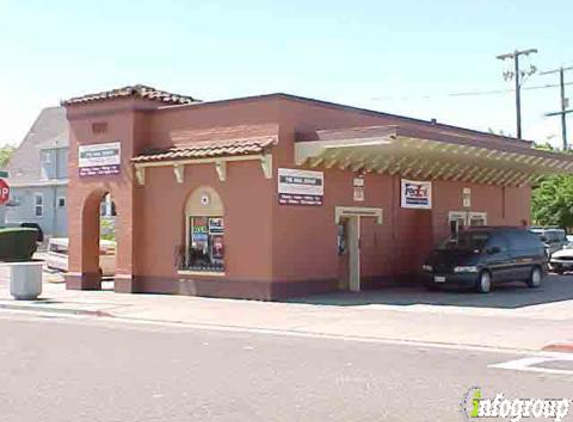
pixel 98 240
pixel 204 232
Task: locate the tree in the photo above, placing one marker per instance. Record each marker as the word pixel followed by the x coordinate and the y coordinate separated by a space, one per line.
pixel 552 201
pixel 5 154
pixel 552 197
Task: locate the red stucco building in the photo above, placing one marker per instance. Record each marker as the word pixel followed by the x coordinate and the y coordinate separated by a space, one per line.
pixel 276 195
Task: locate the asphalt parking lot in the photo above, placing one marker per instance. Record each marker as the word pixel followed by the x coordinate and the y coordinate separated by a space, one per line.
pixel 555 288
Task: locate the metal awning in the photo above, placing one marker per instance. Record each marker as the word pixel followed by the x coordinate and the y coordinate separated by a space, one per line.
pixel 430 155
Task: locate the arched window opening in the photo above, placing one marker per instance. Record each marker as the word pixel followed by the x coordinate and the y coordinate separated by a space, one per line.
pixel 205 227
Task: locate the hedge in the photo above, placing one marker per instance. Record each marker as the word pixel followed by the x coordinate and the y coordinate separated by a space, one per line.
pixel 17 244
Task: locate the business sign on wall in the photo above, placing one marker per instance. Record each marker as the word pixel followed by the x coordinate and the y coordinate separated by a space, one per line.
pixel 99 159
pixel 300 187
pixel 467 197
pixel 416 194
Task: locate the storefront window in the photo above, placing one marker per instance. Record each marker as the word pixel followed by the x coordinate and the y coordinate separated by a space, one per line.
pixel 206 250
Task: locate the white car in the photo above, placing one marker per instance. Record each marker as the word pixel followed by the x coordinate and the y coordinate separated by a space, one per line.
pixel 562 260
pixel 57 256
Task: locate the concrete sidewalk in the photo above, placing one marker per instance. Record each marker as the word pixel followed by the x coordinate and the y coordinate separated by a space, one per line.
pixel 527 328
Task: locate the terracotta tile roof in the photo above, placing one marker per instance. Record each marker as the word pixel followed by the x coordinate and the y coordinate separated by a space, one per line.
pixel 135 91
pixel 208 149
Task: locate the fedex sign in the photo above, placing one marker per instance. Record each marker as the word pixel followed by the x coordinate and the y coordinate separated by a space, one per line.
pixel 4 192
pixel 416 194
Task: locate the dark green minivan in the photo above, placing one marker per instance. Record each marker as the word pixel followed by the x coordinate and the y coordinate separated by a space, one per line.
pixel 482 256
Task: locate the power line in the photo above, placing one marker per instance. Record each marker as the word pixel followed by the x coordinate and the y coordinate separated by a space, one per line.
pixel 468 93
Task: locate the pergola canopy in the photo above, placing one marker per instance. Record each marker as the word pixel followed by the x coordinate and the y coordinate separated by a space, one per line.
pixel 430 155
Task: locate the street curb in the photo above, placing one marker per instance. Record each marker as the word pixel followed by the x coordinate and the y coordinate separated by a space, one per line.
pixel 39 308
pixel 559 347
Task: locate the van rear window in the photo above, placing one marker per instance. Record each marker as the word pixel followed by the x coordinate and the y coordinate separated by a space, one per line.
pixel 466 241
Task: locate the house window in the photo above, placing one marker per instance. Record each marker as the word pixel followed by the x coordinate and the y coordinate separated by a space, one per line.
pixel 45 157
pixel 38 205
pixel 61 202
pixel 205 232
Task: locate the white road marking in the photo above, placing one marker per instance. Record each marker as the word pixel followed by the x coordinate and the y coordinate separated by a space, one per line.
pixel 528 364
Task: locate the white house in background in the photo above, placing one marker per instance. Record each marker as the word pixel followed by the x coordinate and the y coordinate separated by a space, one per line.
pixel 38 175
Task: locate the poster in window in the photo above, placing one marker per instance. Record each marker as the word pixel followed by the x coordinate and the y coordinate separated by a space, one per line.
pixel 217 248
pixel 199 233
pixel 417 195
pixel 215 225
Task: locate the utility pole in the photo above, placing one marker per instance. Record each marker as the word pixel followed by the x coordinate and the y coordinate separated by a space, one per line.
pixel 518 75
pixel 564 102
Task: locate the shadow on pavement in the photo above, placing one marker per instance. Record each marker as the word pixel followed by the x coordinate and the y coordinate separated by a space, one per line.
pixel 509 296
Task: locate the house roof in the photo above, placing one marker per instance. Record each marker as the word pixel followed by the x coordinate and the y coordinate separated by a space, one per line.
pixel 209 149
pixel 50 130
pixel 133 91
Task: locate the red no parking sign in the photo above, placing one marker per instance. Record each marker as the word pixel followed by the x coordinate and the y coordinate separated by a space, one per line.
pixel 4 192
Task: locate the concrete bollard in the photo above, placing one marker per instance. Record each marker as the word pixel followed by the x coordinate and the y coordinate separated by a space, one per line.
pixel 26 279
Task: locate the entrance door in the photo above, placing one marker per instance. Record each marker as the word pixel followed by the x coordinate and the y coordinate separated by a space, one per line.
pixel 457 221
pixel 353 233
pixel 349 218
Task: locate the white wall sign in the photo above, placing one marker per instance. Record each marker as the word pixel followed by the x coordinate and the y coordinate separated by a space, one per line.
pixel 467 197
pixel 358 195
pixel 300 187
pixel 99 159
pixel 416 194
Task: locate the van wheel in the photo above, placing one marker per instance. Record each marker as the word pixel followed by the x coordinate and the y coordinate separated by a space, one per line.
pixel 535 278
pixel 484 282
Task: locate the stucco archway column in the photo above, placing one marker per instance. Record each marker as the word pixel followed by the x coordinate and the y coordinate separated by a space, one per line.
pixel 126 233
pixel 83 258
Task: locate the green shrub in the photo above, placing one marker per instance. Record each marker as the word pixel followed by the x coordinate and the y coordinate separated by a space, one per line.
pixel 17 244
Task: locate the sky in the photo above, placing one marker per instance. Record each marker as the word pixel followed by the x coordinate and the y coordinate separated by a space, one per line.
pixel 406 57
